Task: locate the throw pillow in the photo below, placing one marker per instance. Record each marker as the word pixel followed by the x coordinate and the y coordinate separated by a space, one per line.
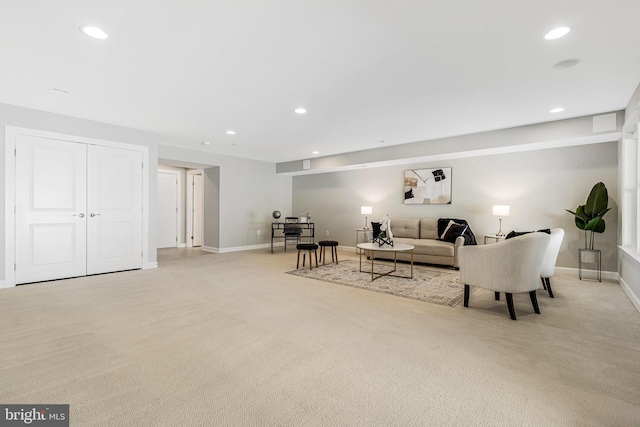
pixel 454 231
pixel 520 233
pixel 444 232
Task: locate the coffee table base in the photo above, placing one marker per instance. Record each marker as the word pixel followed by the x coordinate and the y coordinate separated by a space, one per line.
pixel 375 275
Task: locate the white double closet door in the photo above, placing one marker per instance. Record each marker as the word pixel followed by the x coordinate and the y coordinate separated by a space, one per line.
pixel 78 209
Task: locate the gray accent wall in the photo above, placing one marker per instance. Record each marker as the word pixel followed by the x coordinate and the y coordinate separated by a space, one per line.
pixel 538 185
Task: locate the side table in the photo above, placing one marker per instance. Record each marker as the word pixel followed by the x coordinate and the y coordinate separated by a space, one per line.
pixel 364 237
pixel 496 237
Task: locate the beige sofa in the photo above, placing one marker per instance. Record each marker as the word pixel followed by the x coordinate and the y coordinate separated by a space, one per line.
pixel 422 234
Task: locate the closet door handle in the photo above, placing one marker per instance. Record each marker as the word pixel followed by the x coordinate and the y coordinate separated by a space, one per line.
pixel 80 215
pixel 94 214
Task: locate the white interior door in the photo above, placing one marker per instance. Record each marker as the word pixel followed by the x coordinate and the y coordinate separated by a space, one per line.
pixel 197 210
pixel 167 209
pixel 50 209
pixel 114 209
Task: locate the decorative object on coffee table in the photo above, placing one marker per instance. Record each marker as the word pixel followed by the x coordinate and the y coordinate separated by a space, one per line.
pixel 384 235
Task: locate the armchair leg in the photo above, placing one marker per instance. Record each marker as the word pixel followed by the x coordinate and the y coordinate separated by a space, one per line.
pixel 512 310
pixel 466 295
pixel 497 296
pixel 549 287
pixel 544 284
pixel 534 301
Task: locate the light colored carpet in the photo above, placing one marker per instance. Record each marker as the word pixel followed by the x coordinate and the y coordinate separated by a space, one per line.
pixel 435 286
pixel 230 340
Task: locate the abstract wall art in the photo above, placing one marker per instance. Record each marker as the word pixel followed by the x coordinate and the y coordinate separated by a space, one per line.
pixel 427 186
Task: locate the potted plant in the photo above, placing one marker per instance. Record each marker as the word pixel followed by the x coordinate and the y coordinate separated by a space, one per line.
pixel 589 216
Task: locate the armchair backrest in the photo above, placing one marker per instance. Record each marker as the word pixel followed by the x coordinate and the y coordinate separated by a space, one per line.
pixel 512 265
pixel 551 254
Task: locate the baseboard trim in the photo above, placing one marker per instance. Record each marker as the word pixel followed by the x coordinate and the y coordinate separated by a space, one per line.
pixel 182 245
pixel 609 275
pixel 149 265
pixel 4 284
pixel 633 297
pixel 245 248
pixel 210 249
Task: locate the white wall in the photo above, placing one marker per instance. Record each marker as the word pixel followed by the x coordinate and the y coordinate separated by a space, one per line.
pixel 249 190
pixel 538 185
pixel 629 256
pixel 32 119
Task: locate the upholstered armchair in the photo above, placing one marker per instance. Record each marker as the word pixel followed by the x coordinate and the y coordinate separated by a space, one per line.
pixel 511 266
pixel 550 257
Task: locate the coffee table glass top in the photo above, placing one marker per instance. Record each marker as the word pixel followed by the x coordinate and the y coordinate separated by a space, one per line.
pixel 399 247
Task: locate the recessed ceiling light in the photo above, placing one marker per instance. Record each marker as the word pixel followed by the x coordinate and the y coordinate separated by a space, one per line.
pixel 206 143
pixel 315 152
pixel 557 33
pixel 94 32
pixel 567 63
pixel 300 110
pixel 557 110
pixel 59 91
pixel 231 132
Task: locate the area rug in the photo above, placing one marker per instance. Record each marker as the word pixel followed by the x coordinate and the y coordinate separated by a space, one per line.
pixel 438 287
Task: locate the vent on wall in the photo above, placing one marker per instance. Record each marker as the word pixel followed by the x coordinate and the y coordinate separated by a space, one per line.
pixel 604 123
pixel 306 164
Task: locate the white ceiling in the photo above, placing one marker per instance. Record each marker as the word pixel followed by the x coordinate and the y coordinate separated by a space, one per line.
pixel 371 73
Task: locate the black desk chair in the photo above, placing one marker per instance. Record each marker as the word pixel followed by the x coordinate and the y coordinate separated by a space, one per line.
pixel 292 231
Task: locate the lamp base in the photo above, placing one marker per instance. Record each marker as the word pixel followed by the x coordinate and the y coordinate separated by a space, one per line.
pixel 365 223
pixel 500 233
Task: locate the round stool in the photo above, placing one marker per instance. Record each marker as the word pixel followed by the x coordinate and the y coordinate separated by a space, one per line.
pixel 334 250
pixel 307 247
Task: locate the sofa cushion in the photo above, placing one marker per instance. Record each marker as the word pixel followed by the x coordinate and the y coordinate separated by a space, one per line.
pixel 432 247
pixel 408 228
pixel 428 228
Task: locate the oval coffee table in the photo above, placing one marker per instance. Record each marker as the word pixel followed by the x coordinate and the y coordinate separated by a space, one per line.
pixel 374 247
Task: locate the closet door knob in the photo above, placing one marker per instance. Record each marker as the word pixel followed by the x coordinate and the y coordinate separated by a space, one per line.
pixel 80 215
pixel 94 214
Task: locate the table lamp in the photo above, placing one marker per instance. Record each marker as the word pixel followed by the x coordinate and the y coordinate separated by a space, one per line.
pixel 500 211
pixel 366 210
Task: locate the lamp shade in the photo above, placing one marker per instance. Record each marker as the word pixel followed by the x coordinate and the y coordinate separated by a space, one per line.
pixel 501 210
pixel 366 210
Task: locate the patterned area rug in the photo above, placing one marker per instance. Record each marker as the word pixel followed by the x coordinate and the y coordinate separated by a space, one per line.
pixel 438 287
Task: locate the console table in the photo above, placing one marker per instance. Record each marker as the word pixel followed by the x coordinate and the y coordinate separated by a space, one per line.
pixel 308 231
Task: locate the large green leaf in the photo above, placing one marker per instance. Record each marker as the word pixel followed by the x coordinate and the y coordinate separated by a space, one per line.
pixel 597 201
pixel 596 225
pixel 581 218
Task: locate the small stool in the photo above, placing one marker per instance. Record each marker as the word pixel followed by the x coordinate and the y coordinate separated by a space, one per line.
pixel 307 247
pixel 334 250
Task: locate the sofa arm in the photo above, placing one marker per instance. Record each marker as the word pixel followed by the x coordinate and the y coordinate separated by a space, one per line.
pixel 458 244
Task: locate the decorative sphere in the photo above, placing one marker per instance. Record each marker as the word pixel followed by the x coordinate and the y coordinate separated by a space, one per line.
pixel 276 214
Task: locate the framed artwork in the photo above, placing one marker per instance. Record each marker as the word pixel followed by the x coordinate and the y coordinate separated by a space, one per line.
pixel 427 186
